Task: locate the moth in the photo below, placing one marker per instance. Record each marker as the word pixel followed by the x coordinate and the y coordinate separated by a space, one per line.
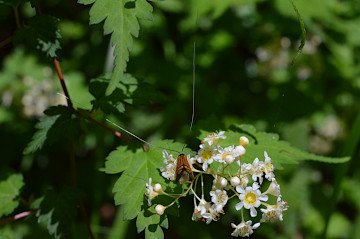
pixel 183 169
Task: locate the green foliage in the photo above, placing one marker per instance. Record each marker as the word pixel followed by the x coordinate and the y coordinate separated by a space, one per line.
pixel 59 124
pixel 280 151
pixel 10 190
pixel 137 167
pixel 120 21
pixel 13 3
pixel 58 211
pixel 41 34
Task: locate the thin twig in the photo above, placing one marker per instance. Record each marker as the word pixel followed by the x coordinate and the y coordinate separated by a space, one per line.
pixel 17 18
pixel 62 82
pixel 17 216
pixel 5 42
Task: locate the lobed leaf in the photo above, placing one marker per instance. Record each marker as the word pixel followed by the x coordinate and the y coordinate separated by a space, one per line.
pixel 136 168
pixel 40 33
pixel 57 125
pixel 9 190
pixel 121 20
pixel 58 211
pixel 280 152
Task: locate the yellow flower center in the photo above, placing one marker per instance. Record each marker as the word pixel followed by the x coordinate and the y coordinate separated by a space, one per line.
pixel 250 198
pixel 207 154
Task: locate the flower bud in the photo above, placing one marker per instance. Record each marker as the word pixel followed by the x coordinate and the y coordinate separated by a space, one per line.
pixel 229 159
pixel 240 150
pixel 157 188
pixel 223 182
pixel 243 141
pixel 235 181
pixel 159 209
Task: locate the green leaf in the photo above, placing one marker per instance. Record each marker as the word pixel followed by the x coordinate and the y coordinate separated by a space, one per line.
pixel 58 211
pixel 40 136
pixel 41 34
pixel 152 224
pixel 136 167
pixel 58 125
pixel 280 152
pixel 121 20
pixel 9 190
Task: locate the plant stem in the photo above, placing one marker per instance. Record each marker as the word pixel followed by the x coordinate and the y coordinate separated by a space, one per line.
pixel 17 216
pixel 17 18
pixel 62 82
pixel 5 42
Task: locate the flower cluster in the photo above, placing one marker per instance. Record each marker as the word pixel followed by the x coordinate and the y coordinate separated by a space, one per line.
pixel 232 179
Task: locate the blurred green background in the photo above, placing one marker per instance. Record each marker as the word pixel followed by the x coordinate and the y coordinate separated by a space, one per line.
pixel 243 52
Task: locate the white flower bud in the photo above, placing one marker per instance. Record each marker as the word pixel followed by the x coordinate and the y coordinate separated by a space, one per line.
pixel 223 182
pixel 159 209
pixel 229 159
pixel 235 181
pixel 157 188
pixel 243 141
pixel 240 150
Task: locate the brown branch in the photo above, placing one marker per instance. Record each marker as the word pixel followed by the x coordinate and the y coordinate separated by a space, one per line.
pixel 116 133
pixel 17 216
pixel 62 82
pixel 5 42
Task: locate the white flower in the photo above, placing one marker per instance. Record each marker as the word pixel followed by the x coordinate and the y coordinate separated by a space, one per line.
pixel 246 168
pixel 268 167
pixel 274 189
pixel 219 198
pixel 169 170
pixel 240 150
pixel 157 188
pixel 213 138
pixel 201 211
pixel 214 214
pixel 159 209
pixel 150 193
pixel 274 212
pixel 244 229
pixel 226 155
pixel 257 169
pixel 234 181
pixel 250 198
pixel 206 155
pixel 243 141
pixel 219 182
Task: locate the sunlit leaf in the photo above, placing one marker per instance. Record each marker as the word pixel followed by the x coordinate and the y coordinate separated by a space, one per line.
pixel 121 20
pixel 9 190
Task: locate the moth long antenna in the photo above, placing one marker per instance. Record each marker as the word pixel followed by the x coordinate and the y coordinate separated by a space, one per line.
pixel 193 97
pixel 140 139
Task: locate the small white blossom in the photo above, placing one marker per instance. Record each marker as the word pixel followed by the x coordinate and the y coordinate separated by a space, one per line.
pixel 250 198
pixel 159 209
pixel 227 154
pixel 268 167
pixel 274 212
pixel 219 183
pixel 213 138
pixel 219 198
pixel 274 189
pixel 243 141
pixel 240 150
pixel 157 188
pixel 169 170
pixel 206 155
pixel 244 229
pixel 234 181
pixel 257 169
pixel 201 211
pixel 214 214
pixel 150 193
